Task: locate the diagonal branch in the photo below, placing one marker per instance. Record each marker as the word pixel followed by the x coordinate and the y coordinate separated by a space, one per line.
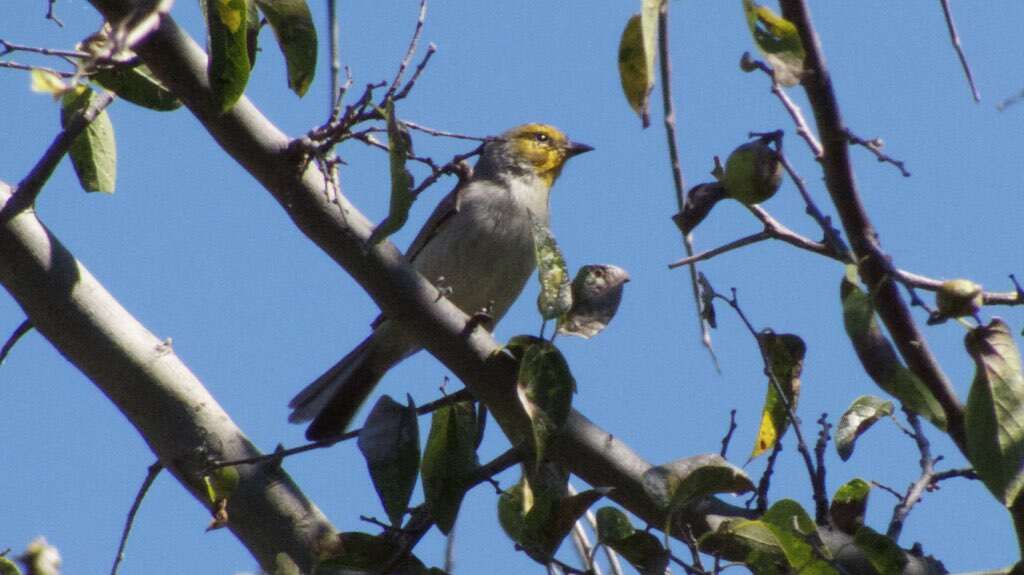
pixel 875 266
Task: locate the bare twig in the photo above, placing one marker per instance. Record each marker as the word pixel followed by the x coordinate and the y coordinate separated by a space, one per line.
pixel 954 37
pixel 332 32
pixel 728 434
pixel 917 489
pixel 51 15
pixel 818 479
pixel 151 475
pixel 664 57
pixel 875 146
pixel 23 328
pixel 802 129
pixel 431 49
pixel 32 184
pixel 409 52
pixel 832 236
pixel 764 484
pixel 29 68
pixel 443 133
pixel 461 395
pixel 1007 102
pixel 733 245
pixel 820 497
pixel 8 47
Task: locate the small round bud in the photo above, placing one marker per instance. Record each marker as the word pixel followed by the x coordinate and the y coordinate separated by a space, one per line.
pixel 747 63
pixel 958 298
pixel 753 173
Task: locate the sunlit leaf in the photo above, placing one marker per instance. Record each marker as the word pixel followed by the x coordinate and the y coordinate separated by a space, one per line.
pixel 46 82
pixel 748 541
pixel 676 484
pixel 448 460
pixel 849 505
pixel 513 505
pixel 785 355
pixel 390 443
pixel 138 86
pixel 555 297
pixel 94 151
pixel 879 358
pixel 221 483
pixel 229 67
pixel 399 147
pixel 798 538
pixel 636 59
pixel 859 417
pixel 778 40
pixel 596 294
pixel 293 27
pixel 995 410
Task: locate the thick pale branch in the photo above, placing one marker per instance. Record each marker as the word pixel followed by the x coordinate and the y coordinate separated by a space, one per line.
pixel 180 421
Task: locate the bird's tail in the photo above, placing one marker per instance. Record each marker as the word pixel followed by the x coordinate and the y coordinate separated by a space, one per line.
pixel 333 400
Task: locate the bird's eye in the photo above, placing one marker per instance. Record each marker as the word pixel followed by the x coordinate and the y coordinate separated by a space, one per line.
pixel 541 137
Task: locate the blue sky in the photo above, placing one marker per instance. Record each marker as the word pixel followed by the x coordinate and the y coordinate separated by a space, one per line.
pixel 194 248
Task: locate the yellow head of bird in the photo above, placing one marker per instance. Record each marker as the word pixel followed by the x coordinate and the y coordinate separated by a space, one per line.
pixel 538 149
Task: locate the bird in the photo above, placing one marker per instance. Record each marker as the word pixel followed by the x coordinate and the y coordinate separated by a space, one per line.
pixel 477 245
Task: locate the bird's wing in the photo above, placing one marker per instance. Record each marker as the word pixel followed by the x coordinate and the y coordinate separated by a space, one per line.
pixel 448 207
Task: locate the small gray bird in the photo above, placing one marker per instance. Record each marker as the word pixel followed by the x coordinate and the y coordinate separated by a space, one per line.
pixel 479 240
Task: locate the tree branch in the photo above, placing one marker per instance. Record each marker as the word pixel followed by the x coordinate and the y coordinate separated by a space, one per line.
pixel 875 266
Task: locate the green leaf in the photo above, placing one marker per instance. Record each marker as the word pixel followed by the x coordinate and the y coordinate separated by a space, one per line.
pixel 785 354
pixel 798 538
pixel 995 410
pixel 779 41
pixel 883 553
pixel 752 542
pixel 879 358
pixel 399 147
pixel 221 483
pixel 849 505
pixel 513 505
pixel 545 387
pixel 252 33
pixel 551 518
pixel 229 67
pixel 555 297
pixel 596 294
pixel 46 82
pixel 138 86
pixel 8 567
pixel 449 459
pixel 676 484
pixel 293 27
pixel 94 151
pixel 613 525
pixel 640 548
pixel 390 443
pixel 859 417
pixel 636 59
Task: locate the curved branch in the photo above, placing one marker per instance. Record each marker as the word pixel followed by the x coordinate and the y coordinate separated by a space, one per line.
pixel 875 266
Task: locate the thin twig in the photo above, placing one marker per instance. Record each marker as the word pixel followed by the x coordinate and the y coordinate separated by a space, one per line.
pixel 50 15
pixel 32 184
pixel 954 37
pixel 728 434
pixel 665 59
pixel 820 497
pixel 875 147
pixel 916 489
pixel 832 236
pixel 461 395
pixel 332 32
pixel 443 133
pixel 764 484
pixel 28 68
pixel 151 475
pixel 8 47
pixel 409 52
pixel 802 129
pixel 23 328
pixel 431 50
pixel 733 245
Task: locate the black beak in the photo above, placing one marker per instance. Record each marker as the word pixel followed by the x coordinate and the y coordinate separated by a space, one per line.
pixel 576 148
